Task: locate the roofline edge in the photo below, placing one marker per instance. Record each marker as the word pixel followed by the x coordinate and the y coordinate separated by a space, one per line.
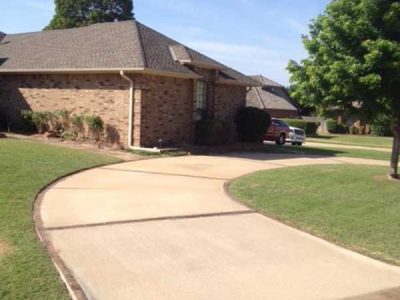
pixel 146 71
pixel 235 82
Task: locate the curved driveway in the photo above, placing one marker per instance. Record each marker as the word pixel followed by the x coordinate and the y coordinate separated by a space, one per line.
pixel 165 229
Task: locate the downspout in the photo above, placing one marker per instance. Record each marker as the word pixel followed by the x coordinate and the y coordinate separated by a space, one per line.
pixel 131 100
pixel 131 103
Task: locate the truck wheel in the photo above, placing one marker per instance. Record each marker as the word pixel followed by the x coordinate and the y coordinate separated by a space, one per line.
pixel 281 140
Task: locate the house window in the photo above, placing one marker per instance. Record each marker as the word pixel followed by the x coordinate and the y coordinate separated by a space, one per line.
pixel 201 99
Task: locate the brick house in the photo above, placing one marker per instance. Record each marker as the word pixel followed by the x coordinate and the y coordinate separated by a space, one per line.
pixel 144 85
pixel 273 97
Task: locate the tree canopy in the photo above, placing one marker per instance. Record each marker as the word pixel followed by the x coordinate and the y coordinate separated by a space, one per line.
pixel 354 55
pixel 78 13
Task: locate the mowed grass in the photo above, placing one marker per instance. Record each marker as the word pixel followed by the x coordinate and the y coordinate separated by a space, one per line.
pixel 328 151
pixel 354 206
pixel 26 271
pixel 353 140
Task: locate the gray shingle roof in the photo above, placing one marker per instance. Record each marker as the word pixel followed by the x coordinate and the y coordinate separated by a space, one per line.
pixel 127 45
pixel 98 46
pixel 271 95
pixel 266 81
pixel 157 49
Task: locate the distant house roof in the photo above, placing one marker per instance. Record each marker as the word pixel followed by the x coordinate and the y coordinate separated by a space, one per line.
pixel 107 47
pixel 266 81
pixel 270 95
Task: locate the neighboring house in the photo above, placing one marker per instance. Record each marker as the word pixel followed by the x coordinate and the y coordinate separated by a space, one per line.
pixel 144 85
pixel 272 97
pixel 351 117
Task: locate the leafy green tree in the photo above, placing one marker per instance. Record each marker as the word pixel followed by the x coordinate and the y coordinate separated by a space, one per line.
pixel 78 13
pixel 354 56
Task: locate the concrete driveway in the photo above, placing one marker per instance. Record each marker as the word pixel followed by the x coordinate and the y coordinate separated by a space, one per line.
pixel 166 229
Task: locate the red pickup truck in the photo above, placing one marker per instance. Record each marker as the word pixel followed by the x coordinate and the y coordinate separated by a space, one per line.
pixel 278 132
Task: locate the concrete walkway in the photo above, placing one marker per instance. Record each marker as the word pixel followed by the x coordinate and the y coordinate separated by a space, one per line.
pixel 166 229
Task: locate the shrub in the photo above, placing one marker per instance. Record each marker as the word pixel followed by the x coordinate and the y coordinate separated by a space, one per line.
pixel 69 134
pixel 310 128
pixel 76 126
pixel 77 121
pixel 334 127
pixel 61 120
pixel 340 128
pixel 27 121
pixel 331 125
pixel 41 120
pixel 354 130
pixel 95 125
pixel 213 133
pixel 381 126
pixel 252 124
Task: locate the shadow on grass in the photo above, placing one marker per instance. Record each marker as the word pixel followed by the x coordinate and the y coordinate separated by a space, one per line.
pixel 322 137
pixel 272 152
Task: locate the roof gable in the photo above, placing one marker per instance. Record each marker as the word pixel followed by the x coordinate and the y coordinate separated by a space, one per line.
pixel 271 95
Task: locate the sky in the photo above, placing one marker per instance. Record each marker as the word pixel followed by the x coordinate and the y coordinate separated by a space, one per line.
pixel 252 36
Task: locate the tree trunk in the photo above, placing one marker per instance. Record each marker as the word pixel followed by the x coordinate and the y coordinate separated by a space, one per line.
pixel 394 162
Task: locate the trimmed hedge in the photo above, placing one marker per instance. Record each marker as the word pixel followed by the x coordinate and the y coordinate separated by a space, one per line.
pixel 310 128
pixel 252 124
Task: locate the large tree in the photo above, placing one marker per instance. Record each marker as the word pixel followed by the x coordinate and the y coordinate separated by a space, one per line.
pixel 354 56
pixel 77 13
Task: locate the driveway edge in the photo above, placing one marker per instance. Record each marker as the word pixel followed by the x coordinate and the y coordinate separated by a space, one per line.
pixel 74 288
pixel 309 233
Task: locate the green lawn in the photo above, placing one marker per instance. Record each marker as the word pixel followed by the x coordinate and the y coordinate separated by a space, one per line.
pixel 354 140
pixel 26 272
pixel 354 206
pixel 328 151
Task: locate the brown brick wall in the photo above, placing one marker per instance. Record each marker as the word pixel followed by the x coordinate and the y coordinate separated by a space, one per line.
pixel 163 109
pixel 228 100
pixel 167 111
pixel 103 95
